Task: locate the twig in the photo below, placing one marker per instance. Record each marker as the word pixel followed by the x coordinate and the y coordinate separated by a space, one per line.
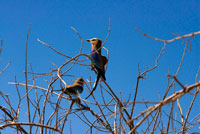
pixel 180 111
pixel 171 40
pixel 5 67
pixel 53 48
pixel 80 39
pixel 1 45
pixel 115 120
pixel 29 124
pixel 174 77
pixel 68 112
pixel 191 42
pixel 134 100
pixel 107 33
pixel 27 96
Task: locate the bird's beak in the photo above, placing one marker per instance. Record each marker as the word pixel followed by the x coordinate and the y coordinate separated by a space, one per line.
pixel 88 40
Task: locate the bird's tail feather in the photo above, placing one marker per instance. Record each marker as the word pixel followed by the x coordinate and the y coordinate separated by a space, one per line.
pixel 95 86
pixel 96 82
pixel 101 73
pixel 58 90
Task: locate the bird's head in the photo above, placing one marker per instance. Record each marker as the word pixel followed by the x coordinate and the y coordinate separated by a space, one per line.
pixel 96 43
pixel 80 81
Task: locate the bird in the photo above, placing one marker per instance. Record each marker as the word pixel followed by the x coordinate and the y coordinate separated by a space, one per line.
pixel 74 89
pixel 98 61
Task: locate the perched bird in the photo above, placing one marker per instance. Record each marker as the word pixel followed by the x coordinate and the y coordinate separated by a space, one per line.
pixel 98 61
pixel 74 89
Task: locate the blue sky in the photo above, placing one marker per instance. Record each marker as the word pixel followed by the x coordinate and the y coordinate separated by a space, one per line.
pixel 51 20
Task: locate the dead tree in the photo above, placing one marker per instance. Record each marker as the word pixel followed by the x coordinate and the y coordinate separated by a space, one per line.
pixel 110 114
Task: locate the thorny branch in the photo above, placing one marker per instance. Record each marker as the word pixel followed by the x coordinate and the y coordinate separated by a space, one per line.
pixel 164 41
pixel 168 100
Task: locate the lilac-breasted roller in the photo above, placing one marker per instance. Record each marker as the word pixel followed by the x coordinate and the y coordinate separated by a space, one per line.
pixel 98 61
pixel 75 88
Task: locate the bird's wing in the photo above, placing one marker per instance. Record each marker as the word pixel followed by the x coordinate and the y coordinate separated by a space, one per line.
pixel 74 89
pixel 70 91
pixel 79 89
pixel 104 60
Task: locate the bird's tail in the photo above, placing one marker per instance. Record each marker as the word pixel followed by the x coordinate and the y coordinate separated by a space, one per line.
pixel 101 73
pixel 58 90
pixel 95 86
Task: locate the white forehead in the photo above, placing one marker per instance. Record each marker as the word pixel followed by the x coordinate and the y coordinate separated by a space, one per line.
pixel 95 39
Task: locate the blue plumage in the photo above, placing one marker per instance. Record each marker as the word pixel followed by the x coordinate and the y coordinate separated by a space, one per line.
pixel 98 61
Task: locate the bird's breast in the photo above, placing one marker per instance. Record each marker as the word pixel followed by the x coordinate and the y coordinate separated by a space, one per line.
pixel 95 57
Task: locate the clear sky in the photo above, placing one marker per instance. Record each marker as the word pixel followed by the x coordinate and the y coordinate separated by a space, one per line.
pixel 51 20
